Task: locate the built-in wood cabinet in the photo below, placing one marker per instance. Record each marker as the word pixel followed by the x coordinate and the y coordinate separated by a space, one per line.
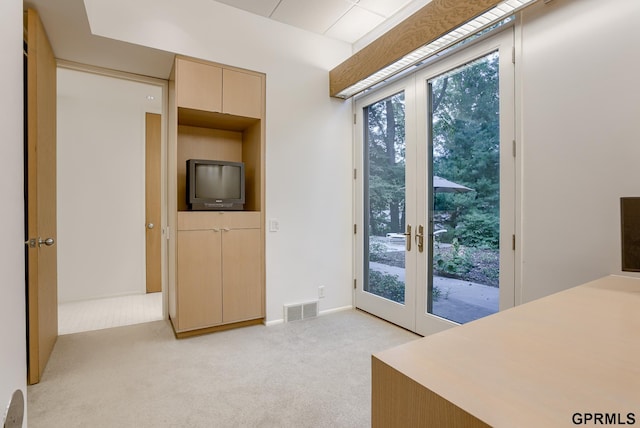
pixel 209 87
pixel 200 283
pixel 241 93
pixel 198 85
pixel 242 292
pixel 216 258
pixel 218 268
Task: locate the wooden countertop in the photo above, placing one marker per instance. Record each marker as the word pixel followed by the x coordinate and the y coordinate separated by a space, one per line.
pixel 537 364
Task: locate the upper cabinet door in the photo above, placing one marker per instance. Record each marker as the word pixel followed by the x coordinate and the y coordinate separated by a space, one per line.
pixel 199 86
pixel 242 94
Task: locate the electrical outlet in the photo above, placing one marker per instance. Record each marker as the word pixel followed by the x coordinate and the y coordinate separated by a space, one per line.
pixel 321 291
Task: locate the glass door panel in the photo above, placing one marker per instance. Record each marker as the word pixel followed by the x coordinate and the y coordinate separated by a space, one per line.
pixel 469 202
pixel 385 199
pixel 464 223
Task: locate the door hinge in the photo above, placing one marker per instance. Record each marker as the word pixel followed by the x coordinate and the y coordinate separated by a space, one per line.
pixel 514 148
pixel 513 242
pixel 355 229
pixel 513 54
pixel 355 173
pixel 354 283
pixel 354 118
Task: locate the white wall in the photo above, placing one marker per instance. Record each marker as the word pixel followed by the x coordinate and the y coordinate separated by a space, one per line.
pixel 101 193
pixel 580 139
pixel 308 134
pixel 576 111
pixel 13 367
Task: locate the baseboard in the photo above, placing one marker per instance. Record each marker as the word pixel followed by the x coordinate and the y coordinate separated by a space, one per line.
pixel 340 309
pixel 207 330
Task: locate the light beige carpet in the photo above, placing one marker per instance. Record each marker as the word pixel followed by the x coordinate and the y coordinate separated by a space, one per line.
pixel 310 373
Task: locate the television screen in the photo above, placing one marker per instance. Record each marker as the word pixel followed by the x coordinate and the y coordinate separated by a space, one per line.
pixel 215 185
pixel 218 181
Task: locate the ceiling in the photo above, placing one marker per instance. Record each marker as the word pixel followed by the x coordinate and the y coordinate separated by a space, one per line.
pixel 346 20
pixel 67 27
pixel 352 21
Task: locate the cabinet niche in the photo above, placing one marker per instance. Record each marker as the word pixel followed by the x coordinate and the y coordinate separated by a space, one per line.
pixel 236 141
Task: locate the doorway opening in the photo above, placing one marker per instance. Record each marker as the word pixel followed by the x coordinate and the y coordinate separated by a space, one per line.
pixel 102 221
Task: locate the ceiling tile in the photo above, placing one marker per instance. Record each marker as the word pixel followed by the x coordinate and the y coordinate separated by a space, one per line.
pixel 354 24
pixel 259 7
pixel 311 15
pixel 385 8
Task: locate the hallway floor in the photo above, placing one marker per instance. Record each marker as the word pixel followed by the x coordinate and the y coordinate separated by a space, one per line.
pixel 89 315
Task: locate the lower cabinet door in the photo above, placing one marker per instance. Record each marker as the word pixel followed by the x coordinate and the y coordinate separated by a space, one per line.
pixel 199 279
pixel 241 275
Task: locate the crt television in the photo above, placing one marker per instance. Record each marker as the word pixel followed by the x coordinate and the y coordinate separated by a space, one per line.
pixel 215 185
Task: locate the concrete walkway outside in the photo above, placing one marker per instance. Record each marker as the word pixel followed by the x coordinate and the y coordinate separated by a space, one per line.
pixel 458 301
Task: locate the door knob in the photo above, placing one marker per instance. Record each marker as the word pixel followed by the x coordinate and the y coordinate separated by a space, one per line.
pixel 150 226
pixel 48 242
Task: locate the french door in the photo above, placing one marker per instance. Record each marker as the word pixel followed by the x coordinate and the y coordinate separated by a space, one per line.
pixel 387 195
pixel 435 201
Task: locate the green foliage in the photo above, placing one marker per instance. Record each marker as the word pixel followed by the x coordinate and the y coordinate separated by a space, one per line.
pixel 436 294
pixel 385 285
pixel 390 287
pixel 466 143
pixel 454 263
pixel 385 152
pixel 478 229
pixel 376 251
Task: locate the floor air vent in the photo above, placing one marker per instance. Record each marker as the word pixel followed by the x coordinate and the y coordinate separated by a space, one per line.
pixel 300 311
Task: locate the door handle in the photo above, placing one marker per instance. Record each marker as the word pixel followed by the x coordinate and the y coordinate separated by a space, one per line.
pixel 40 242
pixel 420 238
pixel 408 237
pixel 48 242
pixel 150 226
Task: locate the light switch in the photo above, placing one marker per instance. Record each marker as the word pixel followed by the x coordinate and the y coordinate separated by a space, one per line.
pixel 274 225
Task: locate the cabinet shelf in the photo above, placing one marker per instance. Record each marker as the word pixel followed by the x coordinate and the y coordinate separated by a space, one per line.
pixel 213 120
